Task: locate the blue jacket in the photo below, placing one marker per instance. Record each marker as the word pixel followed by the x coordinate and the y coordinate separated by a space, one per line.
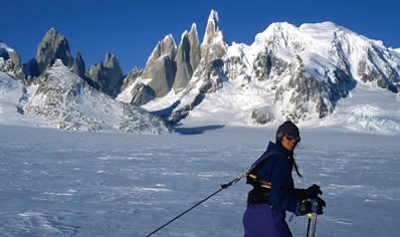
pixel 278 171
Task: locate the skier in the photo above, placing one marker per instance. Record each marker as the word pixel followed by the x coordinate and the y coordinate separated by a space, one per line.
pixel 273 190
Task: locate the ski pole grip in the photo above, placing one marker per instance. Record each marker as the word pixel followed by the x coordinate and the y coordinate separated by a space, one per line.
pixel 314 205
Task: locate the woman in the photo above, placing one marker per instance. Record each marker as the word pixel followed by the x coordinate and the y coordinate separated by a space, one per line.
pixel 273 190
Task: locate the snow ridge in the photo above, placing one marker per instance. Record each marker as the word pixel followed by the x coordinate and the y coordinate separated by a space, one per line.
pixel 69 103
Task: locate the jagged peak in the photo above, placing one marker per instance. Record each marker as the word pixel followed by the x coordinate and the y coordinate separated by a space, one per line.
pixel 193 28
pixel 192 33
pixel 163 47
pixel 184 35
pixel 108 57
pixel 111 61
pixel 169 38
pixel 51 33
pixel 213 33
pixel 213 17
pixel 78 54
pixel 167 41
pixel 52 36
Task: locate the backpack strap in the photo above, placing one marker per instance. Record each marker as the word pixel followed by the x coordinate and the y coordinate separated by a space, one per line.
pixel 251 174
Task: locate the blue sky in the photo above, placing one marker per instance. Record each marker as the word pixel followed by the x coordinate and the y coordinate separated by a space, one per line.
pixel 131 29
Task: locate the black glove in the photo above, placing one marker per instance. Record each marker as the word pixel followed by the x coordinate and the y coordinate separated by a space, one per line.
pixel 314 206
pixel 317 205
pixel 304 208
pixel 304 194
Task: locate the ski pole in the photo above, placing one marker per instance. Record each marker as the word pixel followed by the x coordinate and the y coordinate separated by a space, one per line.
pixel 223 186
pixel 314 208
pixel 309 215
pixel 314 225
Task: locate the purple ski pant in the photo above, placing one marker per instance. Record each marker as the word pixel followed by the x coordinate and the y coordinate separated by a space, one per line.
pixel 260 220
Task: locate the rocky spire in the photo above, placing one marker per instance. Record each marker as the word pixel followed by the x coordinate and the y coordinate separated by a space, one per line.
pixel 78 66
pixel 187 58
pixel 195 47
pixel 161 67
pixel 10 62
pixel 213 44
pixel 105 76
pixel 53 46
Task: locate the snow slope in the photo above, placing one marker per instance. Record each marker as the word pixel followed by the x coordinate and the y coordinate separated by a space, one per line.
pixel 65 101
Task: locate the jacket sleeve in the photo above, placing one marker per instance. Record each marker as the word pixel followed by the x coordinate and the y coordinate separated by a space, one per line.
pixel 301 194
pixel 282 186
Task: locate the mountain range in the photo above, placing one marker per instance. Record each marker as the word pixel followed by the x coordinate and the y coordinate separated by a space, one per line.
pixel 288 72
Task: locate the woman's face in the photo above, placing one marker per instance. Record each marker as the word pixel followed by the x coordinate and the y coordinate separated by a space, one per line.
pixel 288 144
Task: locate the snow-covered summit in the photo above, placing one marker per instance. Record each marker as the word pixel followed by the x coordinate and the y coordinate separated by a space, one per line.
pixel 300 73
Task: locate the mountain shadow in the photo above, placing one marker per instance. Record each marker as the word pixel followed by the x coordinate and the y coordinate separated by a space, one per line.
pixel 197 130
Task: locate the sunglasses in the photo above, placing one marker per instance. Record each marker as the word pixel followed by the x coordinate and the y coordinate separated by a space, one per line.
pixel 291 137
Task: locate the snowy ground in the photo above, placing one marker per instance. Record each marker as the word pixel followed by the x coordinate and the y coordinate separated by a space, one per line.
pixel 105 184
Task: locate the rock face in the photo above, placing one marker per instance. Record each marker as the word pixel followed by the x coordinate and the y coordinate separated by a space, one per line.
pixel 187 59
pixel 69 103
pixel 161 67
pixel 169 68
pixel 106 76
pixel 10 62
pixel 53 46
pixel 78 66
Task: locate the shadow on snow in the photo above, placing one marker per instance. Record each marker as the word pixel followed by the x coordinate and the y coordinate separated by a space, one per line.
pixel 196 130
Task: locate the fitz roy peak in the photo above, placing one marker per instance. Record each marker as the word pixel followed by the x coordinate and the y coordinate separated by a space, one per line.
pixel 289 72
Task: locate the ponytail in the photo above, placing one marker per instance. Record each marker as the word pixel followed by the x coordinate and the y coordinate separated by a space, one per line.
pixel 293 162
